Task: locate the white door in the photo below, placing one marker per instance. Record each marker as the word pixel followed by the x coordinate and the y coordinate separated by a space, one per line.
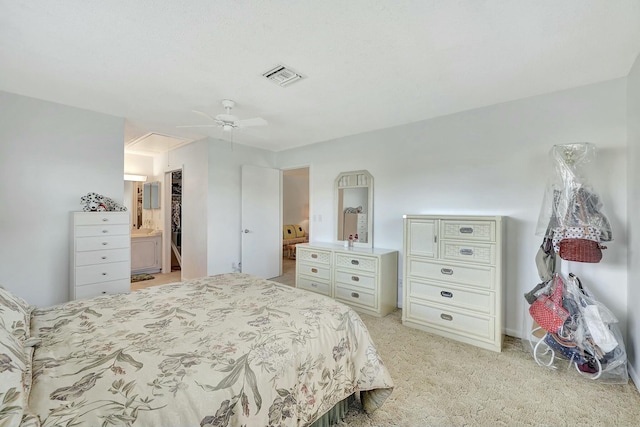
pixel 261 233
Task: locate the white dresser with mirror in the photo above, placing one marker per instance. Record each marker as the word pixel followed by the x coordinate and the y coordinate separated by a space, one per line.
pixel 351 271
pixel 364 278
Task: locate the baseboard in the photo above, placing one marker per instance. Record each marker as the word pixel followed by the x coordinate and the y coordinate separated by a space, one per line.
pixel 634 376
pixel 516 333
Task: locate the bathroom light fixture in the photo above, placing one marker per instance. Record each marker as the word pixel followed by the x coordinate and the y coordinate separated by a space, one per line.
pixel 139 178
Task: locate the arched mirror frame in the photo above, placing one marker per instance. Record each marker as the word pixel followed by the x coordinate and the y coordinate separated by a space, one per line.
pixel 361 181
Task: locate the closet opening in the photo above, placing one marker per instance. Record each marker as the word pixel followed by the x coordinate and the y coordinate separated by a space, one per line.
pixel 176 220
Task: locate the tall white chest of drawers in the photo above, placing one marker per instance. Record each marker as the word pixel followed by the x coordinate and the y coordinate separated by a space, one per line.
pixel 364 278
pixel 453 274
pixel 100 254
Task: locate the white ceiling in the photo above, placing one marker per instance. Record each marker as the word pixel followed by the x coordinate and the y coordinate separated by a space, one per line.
pixel 369 64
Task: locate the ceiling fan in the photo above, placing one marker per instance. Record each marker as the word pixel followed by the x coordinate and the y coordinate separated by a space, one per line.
pixel 227 121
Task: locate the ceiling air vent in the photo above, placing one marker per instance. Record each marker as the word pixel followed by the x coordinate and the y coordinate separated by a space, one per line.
pixel 282 75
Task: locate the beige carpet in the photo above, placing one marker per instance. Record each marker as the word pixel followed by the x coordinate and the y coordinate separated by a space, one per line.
pixel 440 382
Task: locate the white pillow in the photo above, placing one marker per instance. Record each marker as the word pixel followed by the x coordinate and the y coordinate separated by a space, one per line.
pixel 15 315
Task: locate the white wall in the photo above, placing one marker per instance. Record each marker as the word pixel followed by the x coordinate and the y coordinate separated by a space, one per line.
pixel 225 200
pixel 633 290
pixel 490 161
pixel 193 159
pixel 51 156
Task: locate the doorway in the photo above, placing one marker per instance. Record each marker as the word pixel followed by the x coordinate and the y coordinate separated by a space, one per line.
pixel 176 220
pixel 295 212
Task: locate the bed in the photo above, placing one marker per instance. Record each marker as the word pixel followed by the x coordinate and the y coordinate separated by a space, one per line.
pixel 226 350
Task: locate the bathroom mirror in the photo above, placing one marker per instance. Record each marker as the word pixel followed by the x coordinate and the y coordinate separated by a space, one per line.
pixel 151 195
pixel 354 201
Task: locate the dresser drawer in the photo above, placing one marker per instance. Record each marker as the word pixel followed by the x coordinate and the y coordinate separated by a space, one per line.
pixel 478 326
pixel 480 277
pixel 313 285
pixel 102 242
pixel 314 255
pixel 102 256
pixel 469 252
pixel 314 270
pixel 352 296
pixel 356 279
pixel 357 262
pixel 102 230
pixel 102 273
pixel 95 218
pixel 476 300
pixel 104 288
pixel 483 231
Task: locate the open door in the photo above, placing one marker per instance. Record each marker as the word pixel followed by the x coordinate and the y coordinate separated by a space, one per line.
pixel 261 231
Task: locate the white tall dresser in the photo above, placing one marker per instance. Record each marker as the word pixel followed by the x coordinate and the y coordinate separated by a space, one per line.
pixel 100 254
pixel 453 277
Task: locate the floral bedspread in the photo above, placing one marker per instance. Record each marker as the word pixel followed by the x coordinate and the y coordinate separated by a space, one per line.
pixel 227 350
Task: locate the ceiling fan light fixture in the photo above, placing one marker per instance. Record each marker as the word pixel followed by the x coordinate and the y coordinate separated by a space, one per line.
pixel 227 127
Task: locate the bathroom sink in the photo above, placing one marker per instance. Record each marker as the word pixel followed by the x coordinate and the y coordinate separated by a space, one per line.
pixel 145 232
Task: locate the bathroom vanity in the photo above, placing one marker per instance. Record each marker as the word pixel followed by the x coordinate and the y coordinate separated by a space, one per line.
pixel 146 250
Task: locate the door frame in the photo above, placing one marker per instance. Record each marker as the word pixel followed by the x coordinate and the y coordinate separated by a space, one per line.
pixel 166 218
pixel 282 170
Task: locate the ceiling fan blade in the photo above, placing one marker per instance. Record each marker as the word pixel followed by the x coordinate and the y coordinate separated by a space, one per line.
pixel 256 121
pixel 198 126
pixel 204 115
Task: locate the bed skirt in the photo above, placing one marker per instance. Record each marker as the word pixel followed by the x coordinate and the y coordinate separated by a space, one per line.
pixel 335 414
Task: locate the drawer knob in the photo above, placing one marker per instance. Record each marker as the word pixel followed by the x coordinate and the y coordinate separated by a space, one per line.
pixel 466 251
pixel 355 262
pixel 315 285
pixel 446 317
pixel 104 243
pixel 314 256
pixel 466 230
pixel 105 219
pixel 314 270
pixel 104 274
pixel 355 294
pixel 104 257
pixel 355 278
pixel 446 294
pixel 105 231
pixel 447 271
pixel 104 292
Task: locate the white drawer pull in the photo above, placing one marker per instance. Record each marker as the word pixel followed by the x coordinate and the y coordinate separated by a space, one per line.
pixel 447 317
pixel 465 251
pixel 314 255
pixel 447 271
pixel 466 230
pixel 314 270
pixel 105 243
pixel 355 278
pixel 355 294
pixel 446 294
pixel 105 219
pixel 355 262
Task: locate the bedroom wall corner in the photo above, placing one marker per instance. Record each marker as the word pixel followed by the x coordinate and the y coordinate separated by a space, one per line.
pixel 51 155
pixel 633 197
